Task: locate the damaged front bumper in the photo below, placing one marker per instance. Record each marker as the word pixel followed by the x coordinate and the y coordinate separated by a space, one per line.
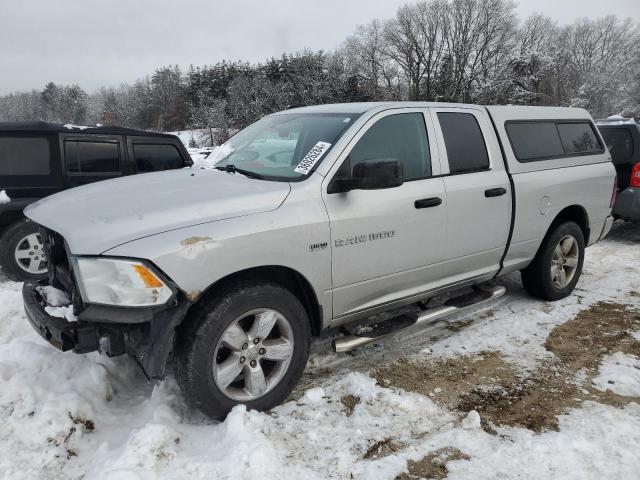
pixel 146 334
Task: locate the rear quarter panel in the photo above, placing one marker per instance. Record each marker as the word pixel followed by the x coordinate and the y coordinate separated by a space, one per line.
pixel 544 188
pixel 542 195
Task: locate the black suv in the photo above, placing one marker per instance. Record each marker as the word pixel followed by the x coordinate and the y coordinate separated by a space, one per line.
pixel 622 137
pixel 38 159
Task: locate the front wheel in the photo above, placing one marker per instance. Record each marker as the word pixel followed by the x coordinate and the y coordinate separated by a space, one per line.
pixel 249 344
pixel 556 269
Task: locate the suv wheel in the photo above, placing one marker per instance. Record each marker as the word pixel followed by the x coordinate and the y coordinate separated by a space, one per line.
pixel 248 345
pixel 556 269
pixel 22 255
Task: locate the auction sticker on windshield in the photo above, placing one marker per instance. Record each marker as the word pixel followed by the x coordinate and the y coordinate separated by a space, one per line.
pixel 311 158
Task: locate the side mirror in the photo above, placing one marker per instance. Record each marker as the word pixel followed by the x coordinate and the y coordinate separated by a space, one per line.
pixel 370 175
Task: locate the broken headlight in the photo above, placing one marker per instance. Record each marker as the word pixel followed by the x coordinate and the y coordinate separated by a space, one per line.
pixel 120 282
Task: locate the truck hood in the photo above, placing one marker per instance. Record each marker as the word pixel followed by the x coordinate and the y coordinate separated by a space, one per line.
pixel 97 217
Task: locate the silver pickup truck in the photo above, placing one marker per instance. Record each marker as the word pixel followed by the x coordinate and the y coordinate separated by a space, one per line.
pixel 343 219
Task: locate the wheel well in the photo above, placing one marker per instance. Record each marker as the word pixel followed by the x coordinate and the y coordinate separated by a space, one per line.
pixel 574 213
pixel 288 278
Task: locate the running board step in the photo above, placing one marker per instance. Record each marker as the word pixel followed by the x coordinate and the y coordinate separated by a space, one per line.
pixel 455 305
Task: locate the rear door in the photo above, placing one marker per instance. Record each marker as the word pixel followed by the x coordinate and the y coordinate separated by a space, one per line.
pixel 91 158
pixel 29 170
pixel 29 164
pixel 387 244
pixel 478 193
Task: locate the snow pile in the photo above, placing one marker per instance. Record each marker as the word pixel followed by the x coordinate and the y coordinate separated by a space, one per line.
pixel 53 296
pixel 76 127
pixel 59 303
pixel 471 421
pixel 594 442
pixel 4 198
pixel 617 120
pixel 217 154
pixel 619 373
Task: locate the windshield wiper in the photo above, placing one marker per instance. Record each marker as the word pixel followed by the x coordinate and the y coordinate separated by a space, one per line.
pixel 233 169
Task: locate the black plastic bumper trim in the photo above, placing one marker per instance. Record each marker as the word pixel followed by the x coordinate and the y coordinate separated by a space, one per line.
pixel 59 332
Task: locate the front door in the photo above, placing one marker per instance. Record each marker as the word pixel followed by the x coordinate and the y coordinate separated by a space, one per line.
pixel 387 244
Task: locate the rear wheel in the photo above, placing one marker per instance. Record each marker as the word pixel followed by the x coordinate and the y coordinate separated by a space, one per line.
pixel 22 255
pixel 248 345
pixel 556 269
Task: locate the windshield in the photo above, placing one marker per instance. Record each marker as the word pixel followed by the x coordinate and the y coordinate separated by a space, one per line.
pixel 283 147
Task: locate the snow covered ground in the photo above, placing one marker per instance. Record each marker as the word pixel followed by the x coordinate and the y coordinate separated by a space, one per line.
pixel 471 398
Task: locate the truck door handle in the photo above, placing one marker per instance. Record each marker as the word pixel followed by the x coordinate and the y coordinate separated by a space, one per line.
pixel 495 192
pixel 428 202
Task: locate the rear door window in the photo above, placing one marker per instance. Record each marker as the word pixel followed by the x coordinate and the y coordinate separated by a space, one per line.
pixel 620 144
pixel 463 138
pixel 92 157
pixel 579 138
pixel 24 156
pixel 154 157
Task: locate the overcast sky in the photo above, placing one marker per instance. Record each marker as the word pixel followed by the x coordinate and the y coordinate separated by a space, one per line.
pixel 98 42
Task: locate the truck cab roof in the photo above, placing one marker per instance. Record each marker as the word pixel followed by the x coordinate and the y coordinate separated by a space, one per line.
pixel 507 111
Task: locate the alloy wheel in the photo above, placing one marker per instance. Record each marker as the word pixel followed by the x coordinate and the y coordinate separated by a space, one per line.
pixel 253 354
pixel 564 261
pixel 30 255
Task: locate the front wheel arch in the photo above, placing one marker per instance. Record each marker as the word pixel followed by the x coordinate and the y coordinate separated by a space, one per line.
pixel 286 277
pixel 197 337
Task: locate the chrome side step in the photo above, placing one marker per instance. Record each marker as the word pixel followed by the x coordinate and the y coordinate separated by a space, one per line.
pixel 349 342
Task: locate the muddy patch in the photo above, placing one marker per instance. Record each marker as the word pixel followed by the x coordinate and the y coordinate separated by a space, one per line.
pixel 604 328
pixel 349 402
pixel 433 465
pixel 502 396
pixel 446 381
pixel 383 448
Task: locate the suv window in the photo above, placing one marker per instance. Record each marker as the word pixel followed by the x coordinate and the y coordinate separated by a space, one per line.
pixel 92 157
pixel 620 144
pixel 24 156
pixel 578 138
pixel 401 137
pixel 463 138
pixel 151 158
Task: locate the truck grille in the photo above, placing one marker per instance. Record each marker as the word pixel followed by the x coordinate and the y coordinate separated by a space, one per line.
pixel 59 267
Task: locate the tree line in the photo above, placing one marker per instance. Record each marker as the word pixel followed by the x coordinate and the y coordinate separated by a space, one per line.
pixel 475 51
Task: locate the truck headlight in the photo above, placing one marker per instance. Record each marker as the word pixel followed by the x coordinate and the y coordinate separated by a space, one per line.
pixel 120 282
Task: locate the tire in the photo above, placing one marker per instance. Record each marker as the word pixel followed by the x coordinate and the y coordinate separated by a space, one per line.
pixel 202 339
pixel 543 277
pixel 20 239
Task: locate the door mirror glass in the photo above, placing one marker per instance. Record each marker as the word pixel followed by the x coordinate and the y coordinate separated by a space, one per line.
pixel 370 175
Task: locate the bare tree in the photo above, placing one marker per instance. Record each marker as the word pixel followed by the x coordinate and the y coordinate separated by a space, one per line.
pixel 365 57
pixel 477 40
